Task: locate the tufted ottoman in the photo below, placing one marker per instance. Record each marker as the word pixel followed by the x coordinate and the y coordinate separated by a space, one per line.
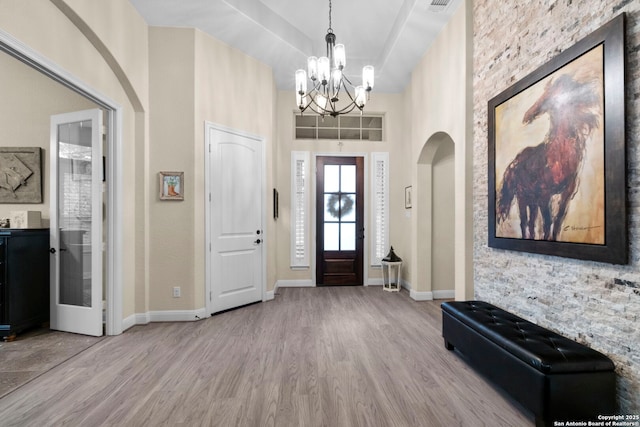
pixel 552 376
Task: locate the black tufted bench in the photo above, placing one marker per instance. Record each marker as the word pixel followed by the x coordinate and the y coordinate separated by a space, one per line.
pixel 552 376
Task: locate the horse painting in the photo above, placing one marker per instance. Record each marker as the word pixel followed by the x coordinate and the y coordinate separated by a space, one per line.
pixel 543 179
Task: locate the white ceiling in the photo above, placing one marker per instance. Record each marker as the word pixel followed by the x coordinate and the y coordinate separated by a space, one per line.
pixel 391 35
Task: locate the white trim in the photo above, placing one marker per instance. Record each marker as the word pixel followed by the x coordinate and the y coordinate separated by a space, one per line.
pixel 307 283
pixel 166 316
pixel 269 295
pixel 446 294
pixel 208 126
pixel 131 321
pixel 421 296
pixel 114 225
pixel 375 281
pixel 178 315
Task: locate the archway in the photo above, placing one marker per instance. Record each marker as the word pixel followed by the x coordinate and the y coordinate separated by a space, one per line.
pixel 435 251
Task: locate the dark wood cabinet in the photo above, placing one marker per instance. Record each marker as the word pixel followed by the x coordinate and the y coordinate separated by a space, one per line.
pixel 24 280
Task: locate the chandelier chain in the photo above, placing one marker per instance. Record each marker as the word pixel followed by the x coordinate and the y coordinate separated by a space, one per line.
pixel 330 29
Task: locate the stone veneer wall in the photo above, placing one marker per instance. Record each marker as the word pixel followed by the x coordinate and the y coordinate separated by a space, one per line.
pixel 596 304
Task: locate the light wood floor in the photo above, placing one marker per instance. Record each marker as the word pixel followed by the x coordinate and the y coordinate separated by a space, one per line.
pixel 349 356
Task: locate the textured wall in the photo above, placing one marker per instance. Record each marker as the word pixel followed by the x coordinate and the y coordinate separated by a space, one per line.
pixel 594 303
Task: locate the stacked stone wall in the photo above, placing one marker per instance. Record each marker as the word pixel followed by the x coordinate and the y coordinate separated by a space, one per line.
pixel 597 304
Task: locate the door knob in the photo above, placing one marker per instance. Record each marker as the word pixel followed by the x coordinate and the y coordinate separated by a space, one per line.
pixel 257 242
pixel 52 250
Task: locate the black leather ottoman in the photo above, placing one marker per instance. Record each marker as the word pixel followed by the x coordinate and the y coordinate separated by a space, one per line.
pixel 554 377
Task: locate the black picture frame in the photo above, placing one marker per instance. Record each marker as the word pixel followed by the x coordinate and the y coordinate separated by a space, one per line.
pixel 612 246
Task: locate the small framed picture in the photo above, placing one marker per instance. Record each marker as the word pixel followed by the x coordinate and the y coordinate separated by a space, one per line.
pixel 407 197
pixel 171 185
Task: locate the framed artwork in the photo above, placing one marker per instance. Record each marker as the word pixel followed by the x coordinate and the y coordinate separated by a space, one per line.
pixel 20 175
pixel 407 197
pixel 557 155
pixel 171 185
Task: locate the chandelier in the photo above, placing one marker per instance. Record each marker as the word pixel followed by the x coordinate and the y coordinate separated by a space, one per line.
pixel 329 84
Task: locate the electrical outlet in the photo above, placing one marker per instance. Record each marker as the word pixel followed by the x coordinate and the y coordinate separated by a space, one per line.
pixel 176 292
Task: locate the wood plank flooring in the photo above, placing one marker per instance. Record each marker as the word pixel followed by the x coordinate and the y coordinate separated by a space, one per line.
pixel 35 352
pixel 347 356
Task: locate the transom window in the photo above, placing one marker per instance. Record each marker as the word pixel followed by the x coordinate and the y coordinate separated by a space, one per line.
pixel 362 128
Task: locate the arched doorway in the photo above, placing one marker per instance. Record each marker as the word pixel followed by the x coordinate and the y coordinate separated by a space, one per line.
pixel 436 241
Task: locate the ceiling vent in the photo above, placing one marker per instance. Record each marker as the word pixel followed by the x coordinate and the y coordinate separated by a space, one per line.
pixel 438 5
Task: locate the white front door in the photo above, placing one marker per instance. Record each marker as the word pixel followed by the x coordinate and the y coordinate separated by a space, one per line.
pixel 76 222
pixel 235 274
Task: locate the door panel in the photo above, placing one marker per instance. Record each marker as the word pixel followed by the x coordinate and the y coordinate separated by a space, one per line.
pixel 340 220
pixel 76 222
pixel 235 180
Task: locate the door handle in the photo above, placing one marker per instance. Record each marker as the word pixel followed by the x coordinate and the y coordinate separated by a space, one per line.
pixel 52 250
pixel 257 242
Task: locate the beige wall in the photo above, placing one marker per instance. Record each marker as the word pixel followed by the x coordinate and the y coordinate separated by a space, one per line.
pixel 46 29
pixel 195 78
pixel 238 92
pixel 169 81
pixel 389 104
pixel 443 229
pixel 438 101
pixel 29 99
pixel 173 136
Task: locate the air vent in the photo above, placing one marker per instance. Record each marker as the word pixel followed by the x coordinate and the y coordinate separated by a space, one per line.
pixel 438 5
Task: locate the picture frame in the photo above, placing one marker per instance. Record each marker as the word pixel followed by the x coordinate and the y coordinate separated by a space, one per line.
pixel 556 155
pixel 21 177
pixel 171 185
pixel 407 197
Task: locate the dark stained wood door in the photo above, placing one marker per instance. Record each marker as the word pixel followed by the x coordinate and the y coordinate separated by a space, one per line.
pixel 340 220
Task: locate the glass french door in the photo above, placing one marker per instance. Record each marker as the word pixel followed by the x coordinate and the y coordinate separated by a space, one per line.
pixel 340 220
pixel 76 222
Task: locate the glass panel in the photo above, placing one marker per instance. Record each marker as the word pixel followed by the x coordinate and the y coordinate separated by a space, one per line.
pixel 347 236
pixel 331 236
pixel 350 122
pixel 328 122
pixel 331 207
pixel 350 134
pixel 306 121
pixel 372 122
pixel 348 211
pixel 348 179
pixel 327 133
pixel 74 212
pixel 371 135
pixel 305 134
pixel 331 178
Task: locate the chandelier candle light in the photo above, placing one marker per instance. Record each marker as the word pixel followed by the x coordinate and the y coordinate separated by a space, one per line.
pixel 328 81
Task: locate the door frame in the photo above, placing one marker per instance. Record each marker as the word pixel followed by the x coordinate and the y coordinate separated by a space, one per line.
pixel 114 181
pixel 314 220
pixel 208 126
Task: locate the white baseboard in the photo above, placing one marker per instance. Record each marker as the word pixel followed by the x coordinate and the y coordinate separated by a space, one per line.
pixel 421 296
pixel 375 281
pixel 448 294
pixel 294 284
pixel 165 316
pixel 128 322
pixel 269 295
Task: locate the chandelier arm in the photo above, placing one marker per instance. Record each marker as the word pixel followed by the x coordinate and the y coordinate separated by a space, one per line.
pixel 331 88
